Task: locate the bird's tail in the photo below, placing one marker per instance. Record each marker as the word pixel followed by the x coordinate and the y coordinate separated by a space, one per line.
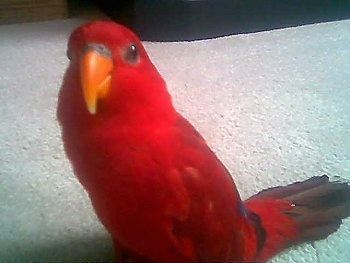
pixel 299 212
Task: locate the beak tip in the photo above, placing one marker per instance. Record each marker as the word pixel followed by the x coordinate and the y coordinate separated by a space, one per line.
pixel 92 110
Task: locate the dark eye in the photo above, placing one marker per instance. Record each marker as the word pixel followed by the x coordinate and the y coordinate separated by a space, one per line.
pixel 131 54
pixel 69 56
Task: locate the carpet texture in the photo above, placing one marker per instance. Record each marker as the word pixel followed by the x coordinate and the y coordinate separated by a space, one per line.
pixel 273 105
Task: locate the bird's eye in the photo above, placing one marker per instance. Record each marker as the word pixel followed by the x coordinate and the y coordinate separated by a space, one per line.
pixel 131 54
pixel 69 56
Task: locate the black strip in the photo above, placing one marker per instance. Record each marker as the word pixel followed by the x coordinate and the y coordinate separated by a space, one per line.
pixel 175 20
pixel 259 232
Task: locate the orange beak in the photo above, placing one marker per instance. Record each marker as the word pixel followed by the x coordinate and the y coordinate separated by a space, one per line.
pixel 95 76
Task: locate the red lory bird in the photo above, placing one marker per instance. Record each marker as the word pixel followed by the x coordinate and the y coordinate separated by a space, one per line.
pixel 155 184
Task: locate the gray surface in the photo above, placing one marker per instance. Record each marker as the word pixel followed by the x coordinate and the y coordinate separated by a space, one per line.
pixel 273 105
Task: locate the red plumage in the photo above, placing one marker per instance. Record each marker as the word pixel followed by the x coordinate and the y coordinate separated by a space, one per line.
pixel 155 184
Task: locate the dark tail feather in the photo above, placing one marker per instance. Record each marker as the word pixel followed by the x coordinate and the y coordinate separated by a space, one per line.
pixel 316 206
pixel 319 207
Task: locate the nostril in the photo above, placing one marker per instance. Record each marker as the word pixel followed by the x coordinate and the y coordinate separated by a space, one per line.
pixel 100 48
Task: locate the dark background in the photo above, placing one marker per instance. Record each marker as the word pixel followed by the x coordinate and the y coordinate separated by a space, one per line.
pixel 171 20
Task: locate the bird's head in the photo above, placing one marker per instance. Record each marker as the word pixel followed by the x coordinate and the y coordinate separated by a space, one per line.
pixel 110 72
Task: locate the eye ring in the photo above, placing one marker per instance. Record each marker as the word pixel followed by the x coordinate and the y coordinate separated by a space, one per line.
pixel 131 54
